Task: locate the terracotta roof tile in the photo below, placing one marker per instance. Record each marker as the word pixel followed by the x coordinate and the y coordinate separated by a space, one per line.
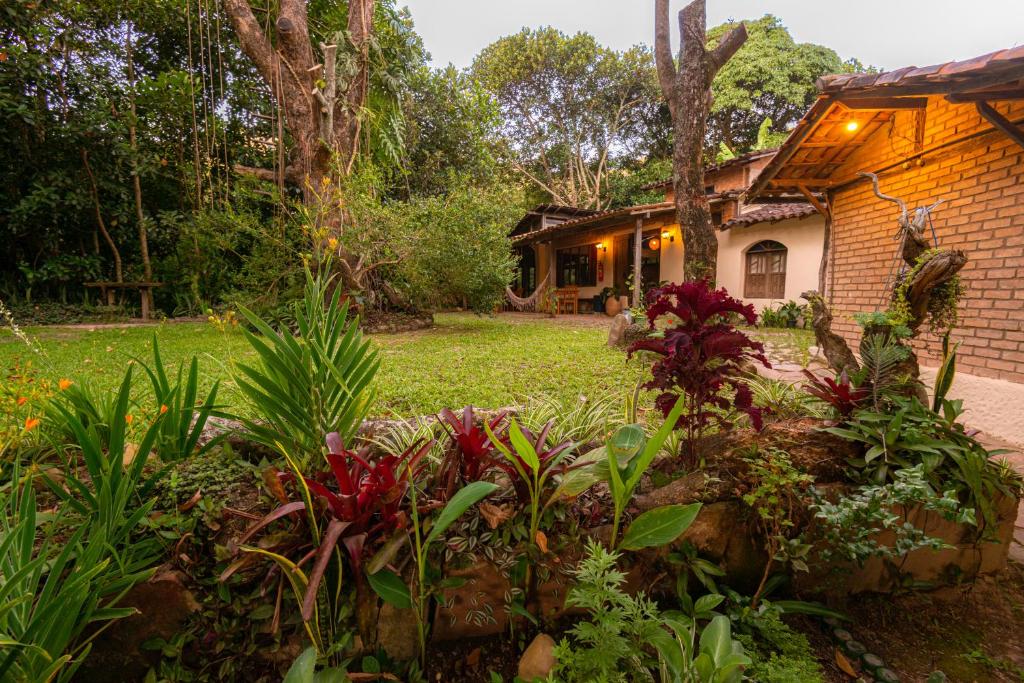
pixel 1010 62
pixel 770 213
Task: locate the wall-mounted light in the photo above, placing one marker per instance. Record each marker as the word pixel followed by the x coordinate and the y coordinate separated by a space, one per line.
pixel 852 126
pixel 654 243
pixel 602 246
pixel 668 235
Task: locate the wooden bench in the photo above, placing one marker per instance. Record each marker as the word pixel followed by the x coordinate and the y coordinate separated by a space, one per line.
pixel 108 291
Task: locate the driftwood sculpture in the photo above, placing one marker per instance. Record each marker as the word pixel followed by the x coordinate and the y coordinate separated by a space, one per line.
pixel 925 289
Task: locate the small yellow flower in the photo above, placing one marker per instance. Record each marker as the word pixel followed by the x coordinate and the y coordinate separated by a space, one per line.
pixel 128 419
pixel 31 423
pixel 332 243
pixel 64 384
pixel 163 409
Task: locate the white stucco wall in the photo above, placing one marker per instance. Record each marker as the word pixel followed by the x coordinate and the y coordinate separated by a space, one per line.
pixel 991 405
pixel 803 238
pixel 671 263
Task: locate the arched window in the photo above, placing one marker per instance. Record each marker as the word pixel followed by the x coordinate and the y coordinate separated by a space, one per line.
pixel 766 271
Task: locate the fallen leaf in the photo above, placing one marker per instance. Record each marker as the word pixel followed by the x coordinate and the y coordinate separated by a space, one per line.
pixel 542 542
pixel 274 485
pixel 473 659
pixel 494 515
pixel 843 663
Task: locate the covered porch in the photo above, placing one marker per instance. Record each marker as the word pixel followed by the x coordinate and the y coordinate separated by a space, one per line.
pixel 626 251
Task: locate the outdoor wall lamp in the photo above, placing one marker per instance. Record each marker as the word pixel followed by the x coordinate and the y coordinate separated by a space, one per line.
pixel 852 126
pixel 602 246
pixel 668 235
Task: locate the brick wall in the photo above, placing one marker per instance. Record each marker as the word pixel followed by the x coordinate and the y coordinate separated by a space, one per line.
pixel 981 181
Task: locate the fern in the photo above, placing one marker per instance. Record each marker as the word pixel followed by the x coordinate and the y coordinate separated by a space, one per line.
pixel 880 359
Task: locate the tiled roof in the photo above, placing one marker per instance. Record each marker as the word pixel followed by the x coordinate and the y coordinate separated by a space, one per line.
pixel 594 220
pixel 1009 62
pixel 995 74
pixel 742 158
pixel 770 213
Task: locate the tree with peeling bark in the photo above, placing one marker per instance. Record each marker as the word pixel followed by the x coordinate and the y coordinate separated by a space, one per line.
pixel 322 115
pixel 687 89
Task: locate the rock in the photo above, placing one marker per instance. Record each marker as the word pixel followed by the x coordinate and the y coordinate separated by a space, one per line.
pixel 164 604
pixel 539 658
pixel 618 329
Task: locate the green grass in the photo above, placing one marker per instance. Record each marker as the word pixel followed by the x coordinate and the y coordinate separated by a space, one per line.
pixel 464 359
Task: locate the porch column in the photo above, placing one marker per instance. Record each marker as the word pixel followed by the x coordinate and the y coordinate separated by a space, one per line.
pixel 552 277
pixel 638 239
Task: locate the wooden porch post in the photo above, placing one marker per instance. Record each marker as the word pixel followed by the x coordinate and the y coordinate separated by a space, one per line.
pixel 638 239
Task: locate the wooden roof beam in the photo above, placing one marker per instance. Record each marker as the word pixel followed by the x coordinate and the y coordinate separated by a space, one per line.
pixel 986 96
pixel 813 200
pixel 798 182
pixel 883 103
pixel 1000 122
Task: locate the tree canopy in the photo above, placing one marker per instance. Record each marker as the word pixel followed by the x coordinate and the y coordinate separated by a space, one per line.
pixel 770 77
pixel 571 109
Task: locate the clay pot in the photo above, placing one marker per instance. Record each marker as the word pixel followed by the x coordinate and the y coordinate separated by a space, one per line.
pixel 612 307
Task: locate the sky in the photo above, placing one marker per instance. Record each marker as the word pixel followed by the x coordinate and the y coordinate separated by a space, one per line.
pixel 885 33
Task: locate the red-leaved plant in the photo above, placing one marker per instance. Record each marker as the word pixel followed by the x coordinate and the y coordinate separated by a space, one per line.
pixel 840 393
pixel 471 452
pixel 702 356
pixel 359 500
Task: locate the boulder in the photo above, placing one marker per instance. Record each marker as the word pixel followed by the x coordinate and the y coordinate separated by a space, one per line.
pixel 618 329
pixel 539 659
pixel 164 605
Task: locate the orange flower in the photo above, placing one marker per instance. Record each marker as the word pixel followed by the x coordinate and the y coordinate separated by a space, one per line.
pixel 22 400
pixel 128 419
pixel 64 384
pixel 163 409
pixel 31 423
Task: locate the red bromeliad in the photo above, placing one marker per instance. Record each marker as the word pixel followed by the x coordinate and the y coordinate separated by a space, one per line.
pixel 841 395
pixel 472 453
pixel 362 501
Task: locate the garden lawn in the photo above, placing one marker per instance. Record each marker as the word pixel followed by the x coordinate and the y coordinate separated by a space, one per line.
pixel 465 359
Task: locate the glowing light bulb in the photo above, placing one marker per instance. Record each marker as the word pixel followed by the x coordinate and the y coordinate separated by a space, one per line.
pixel 852 126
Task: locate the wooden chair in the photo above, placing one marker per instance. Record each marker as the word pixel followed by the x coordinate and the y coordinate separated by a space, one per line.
pixel 568 299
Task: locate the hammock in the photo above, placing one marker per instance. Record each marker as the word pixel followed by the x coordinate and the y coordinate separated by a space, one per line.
pixel 530 302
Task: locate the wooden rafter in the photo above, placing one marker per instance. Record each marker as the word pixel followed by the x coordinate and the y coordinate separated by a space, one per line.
pixel 1001 122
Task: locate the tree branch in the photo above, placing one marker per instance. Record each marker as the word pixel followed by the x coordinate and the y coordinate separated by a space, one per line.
pixel 250 35
pixel 727 47
pixel 663 54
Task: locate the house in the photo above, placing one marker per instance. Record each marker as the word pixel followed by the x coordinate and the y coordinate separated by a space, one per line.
pixel 950 132
pixel 767 253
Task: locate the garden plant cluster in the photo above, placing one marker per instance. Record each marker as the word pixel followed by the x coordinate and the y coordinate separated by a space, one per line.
pixel 302 534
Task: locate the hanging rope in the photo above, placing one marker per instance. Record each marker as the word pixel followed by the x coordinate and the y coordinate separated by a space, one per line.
pixel 530 302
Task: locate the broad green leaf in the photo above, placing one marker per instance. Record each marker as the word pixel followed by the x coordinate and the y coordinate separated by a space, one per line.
pixel 391 589
pixel 303 668
pixel 524 449
pixel 465 498
pixel 659 526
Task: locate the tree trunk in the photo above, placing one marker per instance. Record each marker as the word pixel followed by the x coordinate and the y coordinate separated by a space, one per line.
pixel 687 89
pixel 100 223
pixel 147 266
pixel 322 115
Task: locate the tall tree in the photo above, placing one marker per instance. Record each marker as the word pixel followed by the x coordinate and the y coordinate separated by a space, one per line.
pixel 687 91
pixel 770 77
pixel 322 111
pixel 570 107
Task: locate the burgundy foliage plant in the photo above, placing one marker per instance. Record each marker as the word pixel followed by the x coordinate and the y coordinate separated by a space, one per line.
pixel 840 393
pixel 702 356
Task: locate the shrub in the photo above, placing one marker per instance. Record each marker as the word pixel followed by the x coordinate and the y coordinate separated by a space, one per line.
pixel 702 357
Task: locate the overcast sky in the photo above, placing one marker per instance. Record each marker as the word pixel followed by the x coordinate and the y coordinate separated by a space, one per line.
pixel 884 33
